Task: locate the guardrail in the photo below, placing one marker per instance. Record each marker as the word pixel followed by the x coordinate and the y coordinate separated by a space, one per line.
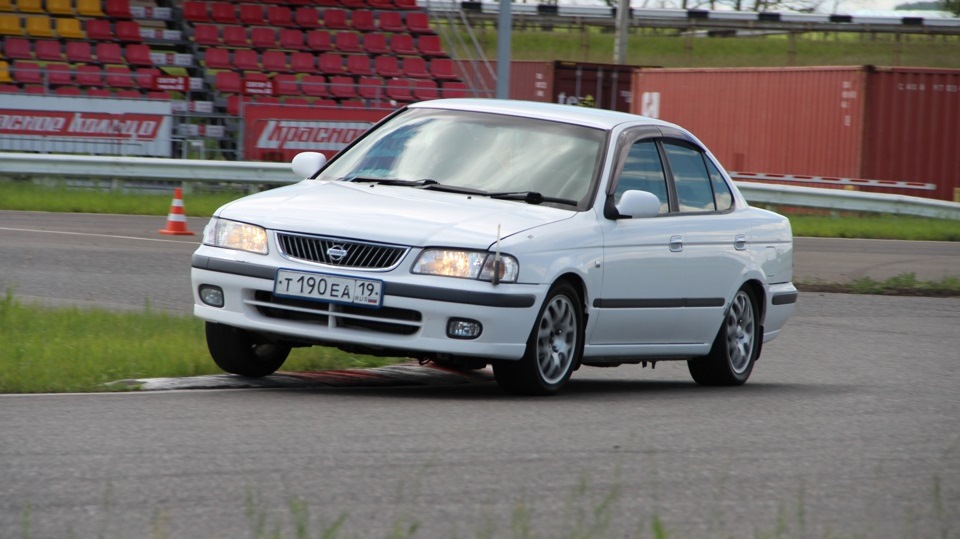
pixel 255 172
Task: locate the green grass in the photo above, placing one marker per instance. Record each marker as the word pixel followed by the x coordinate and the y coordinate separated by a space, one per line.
pixel 905 284
pixel 872 226
pixel 76 350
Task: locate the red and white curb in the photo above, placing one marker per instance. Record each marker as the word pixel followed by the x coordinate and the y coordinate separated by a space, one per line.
pixel 405 374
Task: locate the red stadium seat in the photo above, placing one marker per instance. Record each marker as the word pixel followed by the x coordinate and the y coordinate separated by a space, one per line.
pixel 303 62
pixel 68 91
pixel 319 41
pixel 347 42
pixel 424 90
pixel 217 58
pixel 275 61
pixel 99 92
pixel 375 43
pixel 17 48
pixel 128 94
pixel 296 101
pixel 285 84
pixel 99 30
pixel 419 23
pixel 370 87
pixel 391 21
pixel 119 77
pixel 59 74
pixel 46 49
pixel 128 31
pixel 227 82
pixel 138 54
pixel 195 11
pixel 399 90
pixel 314 86
pixel 235 36
pixel 89 76
pixel 430 45
pixel 118 9
pixel 335 19
pixel 362 20
pixel 443 69
pixel 252 15
pixel 109 53
pixel 454 89
pixel 35 89
pixel 359 65
pixel 79 52
pixel 342 88
pixel 330 63
pixel 406 4
pixel 280 16
pixel 246 60
pixel 353 4
pixel 386 66
pixel 381 4
pixel 262 37
pixel 159 95
pixel 415 67
pixel 206 34
pixel 223 13
pixel 145 76
pixel 307 17
pixel 291 38
pixel 403 44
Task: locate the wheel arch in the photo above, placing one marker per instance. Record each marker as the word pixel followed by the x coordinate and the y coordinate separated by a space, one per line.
pixel 759 294
pixel 580 287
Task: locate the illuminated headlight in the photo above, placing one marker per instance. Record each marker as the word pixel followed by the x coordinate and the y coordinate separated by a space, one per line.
pixel 233 235
pixel 466 265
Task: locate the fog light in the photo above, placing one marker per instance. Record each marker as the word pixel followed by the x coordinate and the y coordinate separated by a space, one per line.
pixel 211 295
pixel 461 328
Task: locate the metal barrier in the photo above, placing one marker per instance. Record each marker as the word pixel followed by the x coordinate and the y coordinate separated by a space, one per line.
pixel 255 172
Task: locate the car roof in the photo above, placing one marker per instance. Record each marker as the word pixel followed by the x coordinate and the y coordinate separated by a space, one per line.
pixel 591 117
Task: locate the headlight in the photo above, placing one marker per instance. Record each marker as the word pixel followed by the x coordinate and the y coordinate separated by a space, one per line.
pixel 466 265
pixel 233 235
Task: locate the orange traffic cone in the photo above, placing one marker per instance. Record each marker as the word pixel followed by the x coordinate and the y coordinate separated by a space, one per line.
pixel 176 219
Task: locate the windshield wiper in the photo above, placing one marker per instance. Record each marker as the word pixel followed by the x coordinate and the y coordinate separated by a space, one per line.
pixel 532 197
pixel 393 181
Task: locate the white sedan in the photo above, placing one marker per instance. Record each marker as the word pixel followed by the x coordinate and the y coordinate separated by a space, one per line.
pixel 533 237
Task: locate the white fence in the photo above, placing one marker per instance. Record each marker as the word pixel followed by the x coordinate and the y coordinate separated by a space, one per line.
pixel 250 172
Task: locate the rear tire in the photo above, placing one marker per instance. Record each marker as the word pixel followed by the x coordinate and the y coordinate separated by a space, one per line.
pixel 240 352
pixel 554 348
pixel 736 347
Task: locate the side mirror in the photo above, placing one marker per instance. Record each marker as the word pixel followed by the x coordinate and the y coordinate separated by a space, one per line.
pixel 306 164
pixel 638 204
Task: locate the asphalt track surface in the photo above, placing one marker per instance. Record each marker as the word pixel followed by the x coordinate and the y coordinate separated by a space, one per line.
pixel 850 426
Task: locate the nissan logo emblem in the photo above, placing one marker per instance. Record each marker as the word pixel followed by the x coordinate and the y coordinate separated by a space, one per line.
pixel 336 253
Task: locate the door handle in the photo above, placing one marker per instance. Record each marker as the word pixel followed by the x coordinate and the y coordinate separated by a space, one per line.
pixel 676 243
pixel 740 242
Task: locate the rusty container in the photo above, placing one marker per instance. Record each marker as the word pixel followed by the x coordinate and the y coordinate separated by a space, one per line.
pixel 912 128
pixel 806 121
pixel 602 86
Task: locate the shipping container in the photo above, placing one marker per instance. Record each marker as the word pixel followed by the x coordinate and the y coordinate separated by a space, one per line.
pixel 899 124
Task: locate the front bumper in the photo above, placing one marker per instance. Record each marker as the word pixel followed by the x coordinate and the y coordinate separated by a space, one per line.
pixel 412 320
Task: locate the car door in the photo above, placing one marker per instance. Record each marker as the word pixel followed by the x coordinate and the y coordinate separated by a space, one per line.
pixel 642 261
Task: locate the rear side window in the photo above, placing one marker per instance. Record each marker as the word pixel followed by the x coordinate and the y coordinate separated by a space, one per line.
pixel 721 191
pixel 643 171
pixel 694 189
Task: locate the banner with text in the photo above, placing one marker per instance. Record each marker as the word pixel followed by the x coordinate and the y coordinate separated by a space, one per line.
pixel 277 133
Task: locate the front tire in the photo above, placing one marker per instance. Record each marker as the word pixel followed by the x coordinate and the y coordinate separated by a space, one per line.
pixel 554 347
pixel 240 352
pixel 736 347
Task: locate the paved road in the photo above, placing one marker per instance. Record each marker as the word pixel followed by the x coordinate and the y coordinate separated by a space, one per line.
pixel 850 427
pixel 121 262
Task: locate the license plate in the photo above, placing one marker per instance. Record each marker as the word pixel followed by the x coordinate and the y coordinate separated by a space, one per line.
pixel 326 287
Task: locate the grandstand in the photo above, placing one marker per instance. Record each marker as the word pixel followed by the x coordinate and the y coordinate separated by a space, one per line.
pixel 212 58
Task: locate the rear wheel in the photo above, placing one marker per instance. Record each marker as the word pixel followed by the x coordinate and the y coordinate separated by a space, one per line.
pixel 240 352
pixel 553 349
pixel 736 347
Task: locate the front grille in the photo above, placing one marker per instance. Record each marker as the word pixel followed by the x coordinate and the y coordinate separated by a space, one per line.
pixel 339 252
pixel 383 320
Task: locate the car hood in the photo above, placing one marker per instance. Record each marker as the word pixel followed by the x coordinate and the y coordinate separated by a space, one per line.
pixel 390 214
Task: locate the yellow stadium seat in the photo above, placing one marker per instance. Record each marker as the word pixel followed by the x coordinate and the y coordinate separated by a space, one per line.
pixel 89 8
pixel 30 6
pixel 60 7
pixel 5 72
pixel 6 5
pixel 10 25
pixel 39 27
pixel 70 29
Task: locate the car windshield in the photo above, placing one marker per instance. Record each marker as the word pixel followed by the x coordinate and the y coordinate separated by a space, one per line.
pixel 488 153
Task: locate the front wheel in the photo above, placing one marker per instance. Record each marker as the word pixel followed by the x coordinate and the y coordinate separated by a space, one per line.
pixel 240 352
pixel 736 347
pixel 553 349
